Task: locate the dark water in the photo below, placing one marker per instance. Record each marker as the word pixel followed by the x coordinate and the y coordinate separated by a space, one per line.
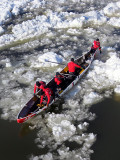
pixel 16 141
pixel 107 128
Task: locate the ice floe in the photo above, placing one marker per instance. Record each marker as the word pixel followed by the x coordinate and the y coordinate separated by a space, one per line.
pixel 48 59
pixel 61 127
pixel 112 9
pixel 42 24
pixel 117 89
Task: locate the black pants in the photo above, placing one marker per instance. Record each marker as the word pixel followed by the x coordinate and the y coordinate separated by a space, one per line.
pixel 46 99
pixel 92 50
pixel 72 75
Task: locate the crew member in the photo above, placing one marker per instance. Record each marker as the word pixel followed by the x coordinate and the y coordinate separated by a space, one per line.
pixel 58 80
pixel 38 86
pixel 47 93
pixel 72 65
pixel 95 46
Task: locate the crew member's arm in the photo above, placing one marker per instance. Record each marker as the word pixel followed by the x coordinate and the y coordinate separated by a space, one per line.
pixel 34 88
pixel 61 77
pixel 100 49
pixel 48 97
pixel 41 100
pixel 77 65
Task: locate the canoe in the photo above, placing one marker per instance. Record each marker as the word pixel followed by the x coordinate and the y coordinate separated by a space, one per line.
pixel 32 108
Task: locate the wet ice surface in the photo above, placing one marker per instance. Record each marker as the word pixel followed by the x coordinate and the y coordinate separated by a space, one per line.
pixel 41 32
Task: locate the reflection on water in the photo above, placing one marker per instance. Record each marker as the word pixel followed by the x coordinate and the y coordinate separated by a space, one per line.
pixel 117 97
pixel 14 146
pixel 25 129
pixel 107 128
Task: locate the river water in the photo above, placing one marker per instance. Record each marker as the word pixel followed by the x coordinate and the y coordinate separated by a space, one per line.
pixel 17 141
pixel 106 126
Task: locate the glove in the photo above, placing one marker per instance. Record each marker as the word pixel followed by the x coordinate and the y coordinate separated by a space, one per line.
pixel 39 105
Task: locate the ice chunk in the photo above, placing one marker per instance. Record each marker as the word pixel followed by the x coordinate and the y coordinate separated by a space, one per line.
pixel 1 30
pixel 50 59
pixel 91 98
pixel 114 22
pixel 61 126
pixel 112 9
pixel 117 89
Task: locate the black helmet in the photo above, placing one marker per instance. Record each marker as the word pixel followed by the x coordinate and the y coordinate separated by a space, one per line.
pixel 57 73
pixel 97 39
pixel 37 83
pixel 46 86
pixel 72 59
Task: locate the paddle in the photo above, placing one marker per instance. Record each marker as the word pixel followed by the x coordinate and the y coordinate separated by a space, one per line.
pixel 55 62
pixel 69 75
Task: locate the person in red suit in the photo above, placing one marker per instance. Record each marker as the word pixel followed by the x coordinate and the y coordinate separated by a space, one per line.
pixel 38 85
pixel 95 46
pixel 58 79
pixel 47 93
pixel 72 66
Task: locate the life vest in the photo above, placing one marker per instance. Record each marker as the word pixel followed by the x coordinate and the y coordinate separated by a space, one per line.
pixel 42 85
pixel 57 80
pixel 72 65
pixel 96 44
pixel 48 91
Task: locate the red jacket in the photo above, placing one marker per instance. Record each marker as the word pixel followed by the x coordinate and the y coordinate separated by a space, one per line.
pixel 96 45
pixel 57 79
pixel 48 93
pixel 72 65
pixel 39 87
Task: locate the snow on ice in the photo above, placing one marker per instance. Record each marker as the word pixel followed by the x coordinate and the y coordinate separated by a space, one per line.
pixel 112 9
pixel 49 57
pixel 117 89
pixel 42 24
pixel 61 127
